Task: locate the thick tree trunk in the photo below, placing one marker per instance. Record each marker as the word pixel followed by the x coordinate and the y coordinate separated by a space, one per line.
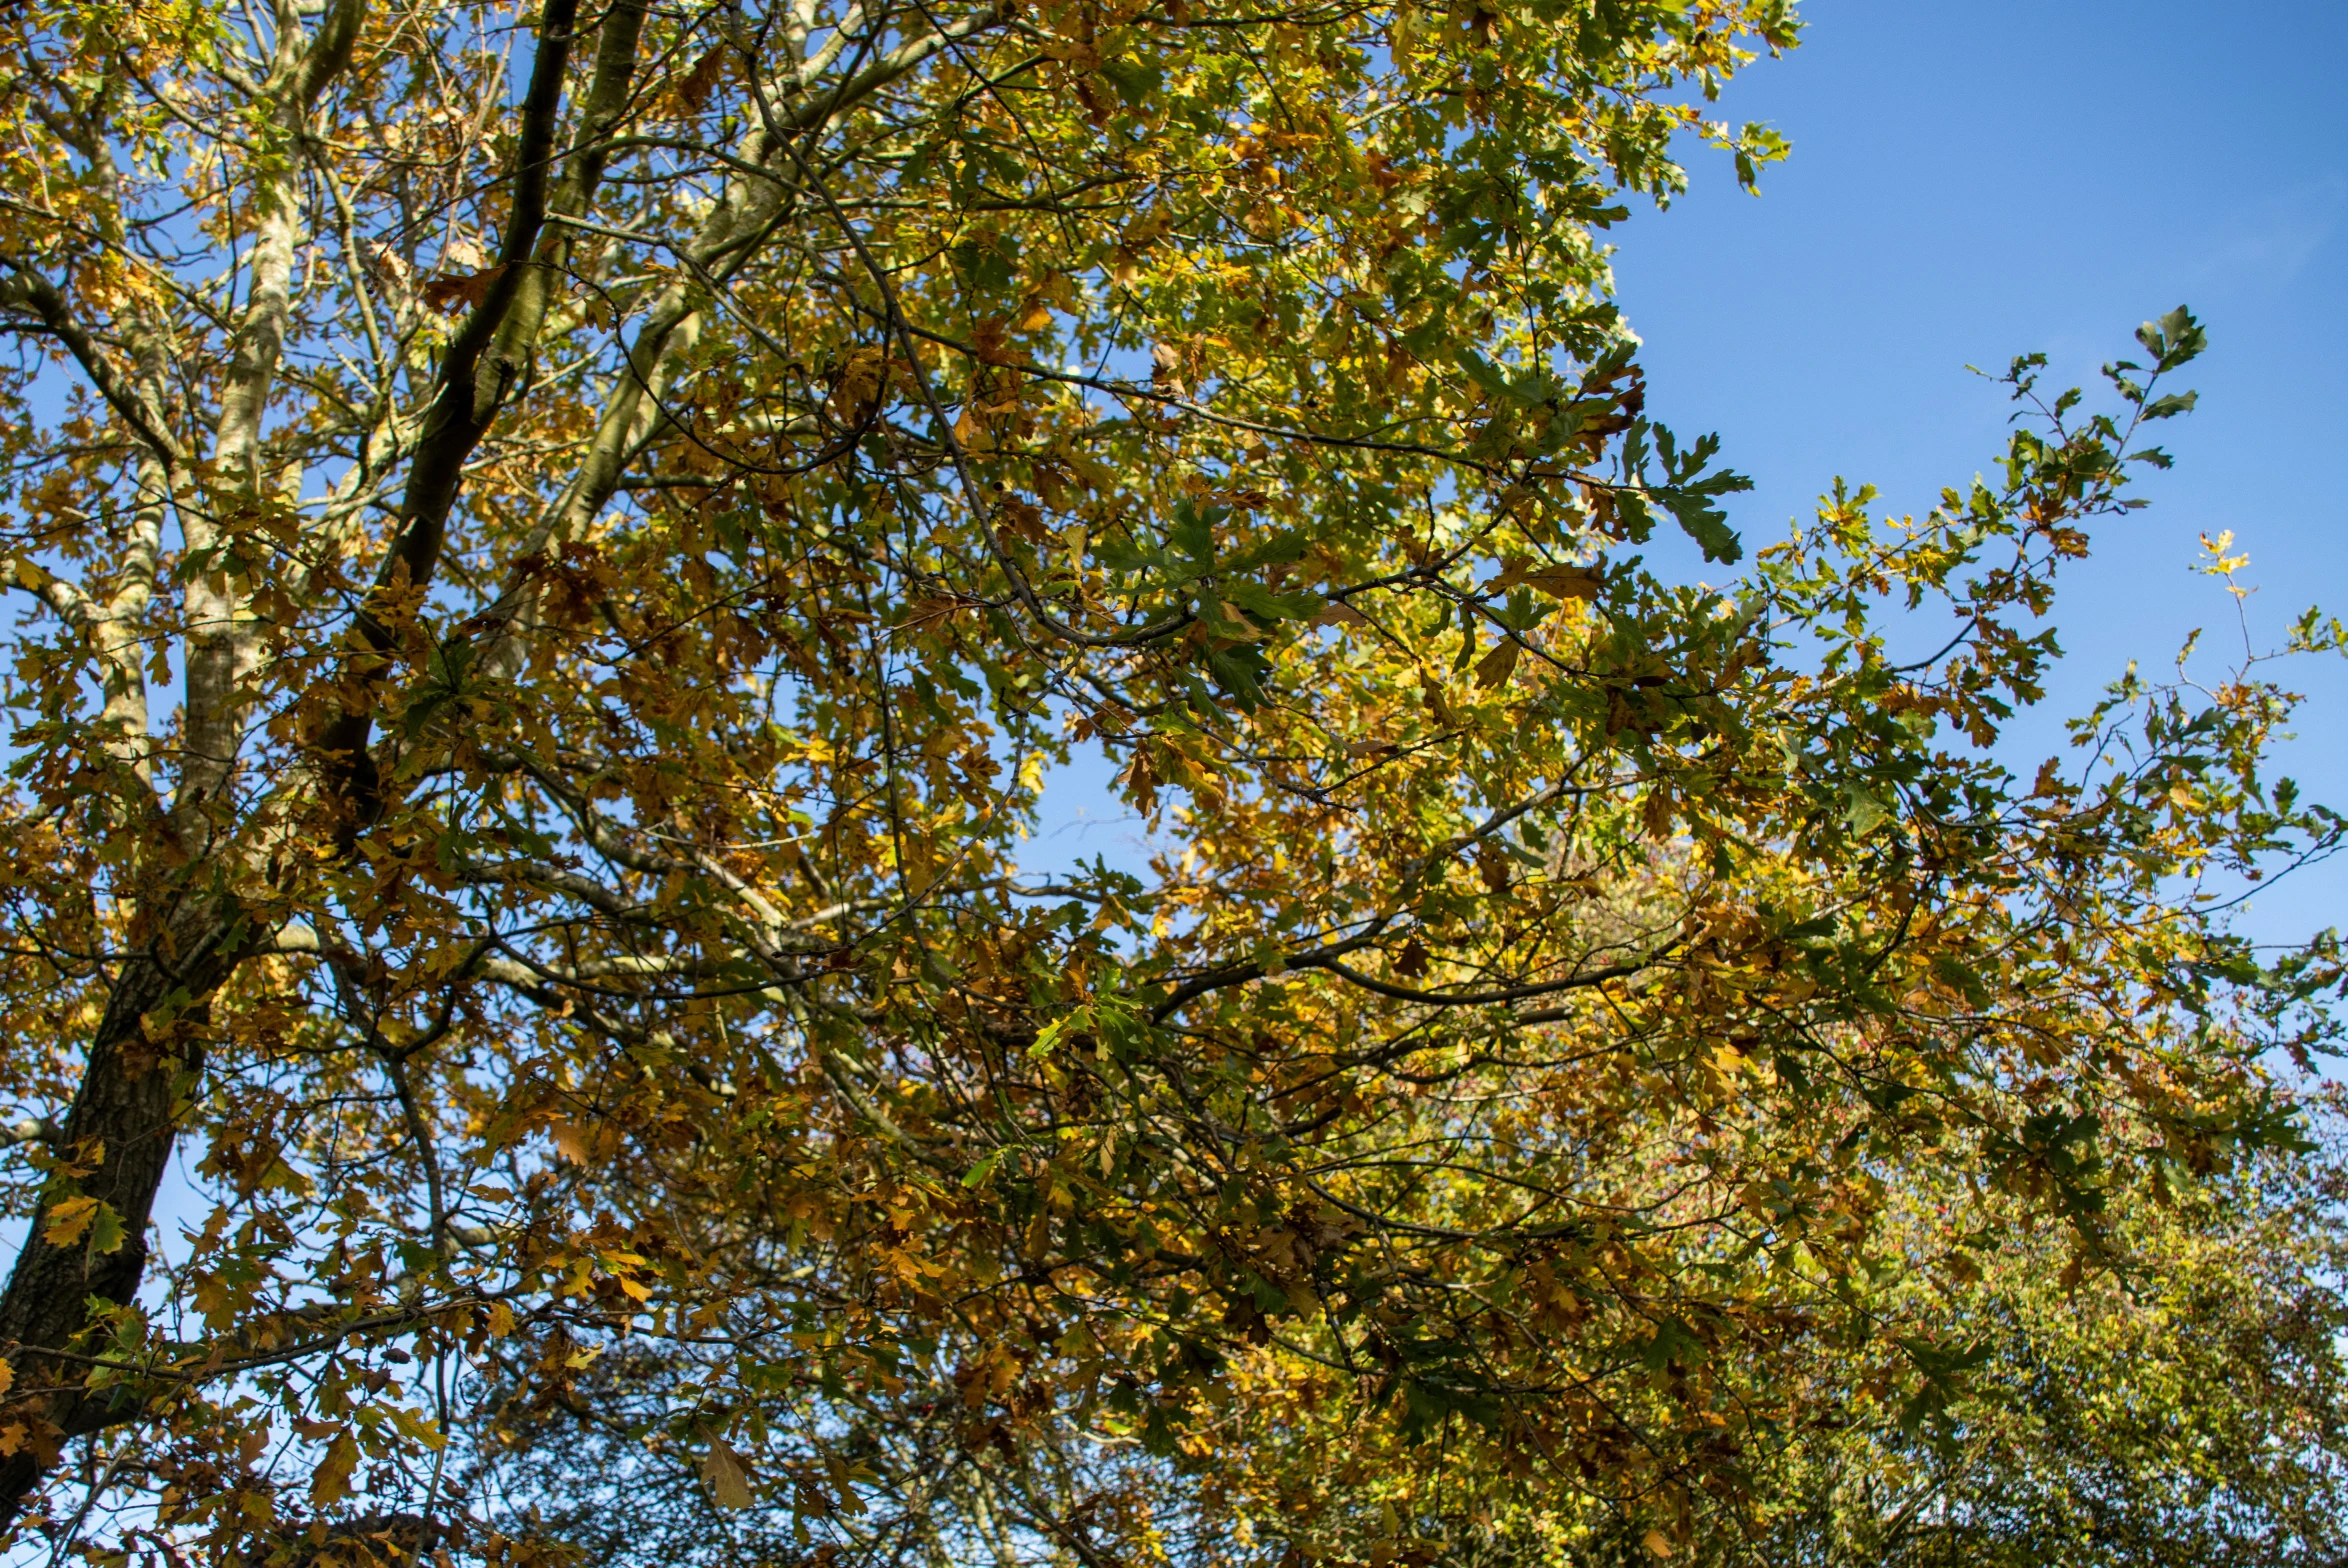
pixel 127 1112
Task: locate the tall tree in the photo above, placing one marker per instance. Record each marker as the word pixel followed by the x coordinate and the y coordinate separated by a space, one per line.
pixel 557 550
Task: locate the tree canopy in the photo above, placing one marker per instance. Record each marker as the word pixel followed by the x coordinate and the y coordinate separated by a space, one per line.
pixel 554 553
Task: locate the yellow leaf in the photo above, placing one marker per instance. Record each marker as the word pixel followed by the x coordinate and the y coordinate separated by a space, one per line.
pixel 331 1481
pixel 68 1219
pixel 1657 1544
pixel 1494 668
pixel 501 1320
pixel 417 1426
pixel 7 1376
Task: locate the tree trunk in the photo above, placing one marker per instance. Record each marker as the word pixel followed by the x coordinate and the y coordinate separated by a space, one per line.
pixel 127 1112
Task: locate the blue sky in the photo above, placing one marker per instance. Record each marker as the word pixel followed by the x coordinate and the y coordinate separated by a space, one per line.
pixel 1971 181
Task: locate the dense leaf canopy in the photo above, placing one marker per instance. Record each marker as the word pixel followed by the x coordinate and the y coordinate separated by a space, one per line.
pixel 554 553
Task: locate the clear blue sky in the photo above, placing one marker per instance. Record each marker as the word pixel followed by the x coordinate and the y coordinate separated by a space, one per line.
pixel 1970 181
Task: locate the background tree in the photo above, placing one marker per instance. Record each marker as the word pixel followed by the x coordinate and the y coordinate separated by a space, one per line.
pixel 2182 1406
pixel 555 551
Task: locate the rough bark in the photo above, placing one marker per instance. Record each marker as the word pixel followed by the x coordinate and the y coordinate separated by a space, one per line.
pixel 125 1114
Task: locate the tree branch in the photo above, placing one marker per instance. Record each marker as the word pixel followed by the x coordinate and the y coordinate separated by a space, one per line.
pixel 29 290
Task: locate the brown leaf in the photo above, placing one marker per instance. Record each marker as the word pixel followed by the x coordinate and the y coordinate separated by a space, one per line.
pixel 990 340
pixel 1567 582
pixel 937 610
pixel 449 291
pixel 1412 962
pixel 1141 778
pixel 573 1142
pixel 1022 520
pixel 727 1478
pixel 702 80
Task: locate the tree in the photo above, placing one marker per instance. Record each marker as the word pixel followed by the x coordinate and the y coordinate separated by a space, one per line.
pixel 2182 1405
pixel 556 551
pixel 2183 1409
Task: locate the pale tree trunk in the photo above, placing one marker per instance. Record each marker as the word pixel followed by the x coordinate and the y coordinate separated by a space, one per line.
pixel 139 1075
pixel 134 1090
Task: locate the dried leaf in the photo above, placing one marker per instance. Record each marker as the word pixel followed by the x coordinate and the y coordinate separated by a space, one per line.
pixel 1141 779
pixel 573 1142
pixel 722 1468
pixel 1566 582
pixel 937 610
pixel 693 92
pixel 453 291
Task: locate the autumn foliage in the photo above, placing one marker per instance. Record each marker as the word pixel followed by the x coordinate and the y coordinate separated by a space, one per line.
pixel 554 552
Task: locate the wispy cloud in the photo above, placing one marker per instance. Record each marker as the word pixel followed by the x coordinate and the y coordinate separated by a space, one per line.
pixel 2269 244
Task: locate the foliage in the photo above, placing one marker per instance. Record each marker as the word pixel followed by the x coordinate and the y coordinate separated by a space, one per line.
pixel 556 552
pixel 2189 1407
pixel 2186 1405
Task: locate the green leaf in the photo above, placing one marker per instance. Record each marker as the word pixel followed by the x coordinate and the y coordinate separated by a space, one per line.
pixel 1866 812
pixel 1193 531
pixel 107 1231
pixel 1703 522
pixel 1135 80
pixel 1484 373
pixel 2173 340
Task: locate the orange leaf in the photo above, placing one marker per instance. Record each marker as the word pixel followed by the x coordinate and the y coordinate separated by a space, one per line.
pixel 450 290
